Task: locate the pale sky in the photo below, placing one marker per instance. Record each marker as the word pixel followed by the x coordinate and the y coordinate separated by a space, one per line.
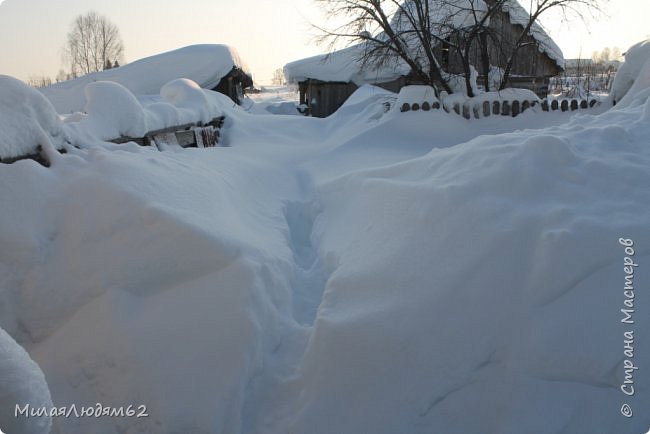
pixel 266 33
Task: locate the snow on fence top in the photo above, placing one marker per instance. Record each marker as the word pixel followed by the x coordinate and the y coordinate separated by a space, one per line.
pixel 31 128
pixel 204 64
pixel 27 120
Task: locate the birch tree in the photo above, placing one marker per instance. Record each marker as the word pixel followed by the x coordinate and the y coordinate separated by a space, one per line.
pixel 92 42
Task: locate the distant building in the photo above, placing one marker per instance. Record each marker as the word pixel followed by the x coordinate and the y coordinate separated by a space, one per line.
pixel 326 81
pixel 214 67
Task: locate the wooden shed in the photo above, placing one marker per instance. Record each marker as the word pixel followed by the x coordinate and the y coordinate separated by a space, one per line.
pixel 325 97
pixel 212 66
pixel 234 84
pixel 537 60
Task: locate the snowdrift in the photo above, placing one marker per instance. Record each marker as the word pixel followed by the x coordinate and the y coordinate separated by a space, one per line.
pixel 369 272
pixel 479 288
pixel 633 73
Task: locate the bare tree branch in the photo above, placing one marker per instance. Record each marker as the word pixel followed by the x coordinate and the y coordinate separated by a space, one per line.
pixel 92 42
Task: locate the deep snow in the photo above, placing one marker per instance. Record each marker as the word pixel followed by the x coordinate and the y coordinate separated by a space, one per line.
pixel 374 271
pixel 204 64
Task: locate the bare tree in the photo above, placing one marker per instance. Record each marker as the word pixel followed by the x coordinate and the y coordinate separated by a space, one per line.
pixel 92 42
pixel 423 34
pixel 570 9
pixel 61 76
pixel 39 81
pixel 390 31
pixel 278 77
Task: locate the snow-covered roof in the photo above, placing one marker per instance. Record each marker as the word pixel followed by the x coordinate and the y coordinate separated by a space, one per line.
pixel 546 44
pixel 445 16
pixel 204 64
pixel 449 15
pixel 344 66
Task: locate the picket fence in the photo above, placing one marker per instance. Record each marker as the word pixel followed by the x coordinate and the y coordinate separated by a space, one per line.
pixel 469 109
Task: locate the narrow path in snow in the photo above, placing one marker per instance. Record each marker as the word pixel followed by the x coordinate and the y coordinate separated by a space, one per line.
pixel 272 394
pixel 310 278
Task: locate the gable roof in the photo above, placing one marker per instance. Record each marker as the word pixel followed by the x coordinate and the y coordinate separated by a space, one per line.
pixel 546 44
pixel 344 65
pixel 446 16
pixel 204 64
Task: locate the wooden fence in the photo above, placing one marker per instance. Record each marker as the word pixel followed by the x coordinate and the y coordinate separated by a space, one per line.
pixel 514 108
pixel 191 135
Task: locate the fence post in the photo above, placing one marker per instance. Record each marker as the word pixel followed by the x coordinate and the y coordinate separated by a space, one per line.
pixel 505 108
pixel 565 105
pixel 466 111
pixel 515 108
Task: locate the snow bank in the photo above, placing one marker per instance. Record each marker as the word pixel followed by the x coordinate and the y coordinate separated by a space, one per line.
pixel 27 120
pixel 22 385
pixel 369 272
pixel 479 288
pixel 630 70
pixel 132 274
pixel 204 64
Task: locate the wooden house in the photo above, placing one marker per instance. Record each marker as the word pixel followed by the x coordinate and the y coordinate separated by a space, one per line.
pixel 537 60
pixel 234 84
pixel 326 81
